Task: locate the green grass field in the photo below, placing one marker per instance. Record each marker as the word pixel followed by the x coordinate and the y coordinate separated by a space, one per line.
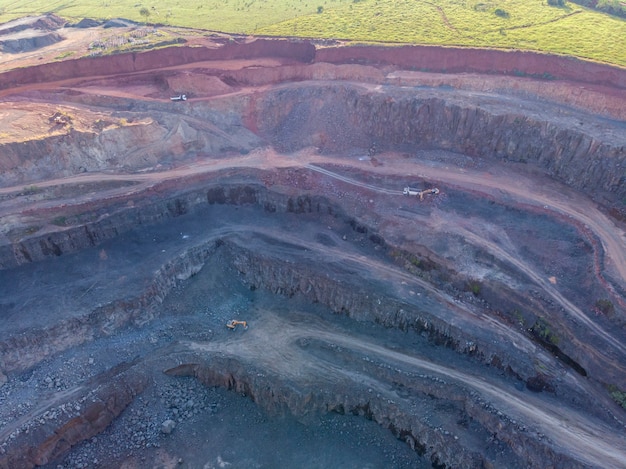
pixel 517 24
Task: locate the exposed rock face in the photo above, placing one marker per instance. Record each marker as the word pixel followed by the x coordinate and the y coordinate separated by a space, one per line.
pixel 133 145
pixel 283 396
pixel 395 408
pixel 130 63
pixel 445 59
pixel 33 346
pixel 48 22
pixel 452 59
pixel 335 118
pixel 15 44
pixel 339 117
pixel 438 445
pixel 14 39
pixel 112 393
pixel 259 271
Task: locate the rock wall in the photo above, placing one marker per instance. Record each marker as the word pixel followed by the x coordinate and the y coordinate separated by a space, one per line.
pixel 277 394
pixel 137 62
pixel 143 143
pixel 432 58
pixel 43 442
pixel 283 277
pixel 337 117
pixel 358 303
pixel 80 151
pixel 27 349
pixel 16 45
pixel 490 61
pixel 278 277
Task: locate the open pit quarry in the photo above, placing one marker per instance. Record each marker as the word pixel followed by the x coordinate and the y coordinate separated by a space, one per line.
pixel 479 325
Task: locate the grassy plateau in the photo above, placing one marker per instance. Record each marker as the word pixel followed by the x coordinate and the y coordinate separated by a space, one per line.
pixel 513 24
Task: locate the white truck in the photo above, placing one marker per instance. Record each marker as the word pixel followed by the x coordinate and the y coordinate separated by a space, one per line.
pixel 420 194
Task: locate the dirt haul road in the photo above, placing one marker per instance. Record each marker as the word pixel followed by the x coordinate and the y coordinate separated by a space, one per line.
pixel 612 237
pixel 567 430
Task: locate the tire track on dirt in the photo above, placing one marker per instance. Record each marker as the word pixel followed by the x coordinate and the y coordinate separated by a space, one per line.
pixel 352 181
pixel 573 433
pixel 260 161
pixel 456 312
pixel 549 289
pixel 611 236
pixel 500 253
pixel 568 429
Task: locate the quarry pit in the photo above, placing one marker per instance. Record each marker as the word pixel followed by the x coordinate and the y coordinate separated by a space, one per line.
pixel 479 325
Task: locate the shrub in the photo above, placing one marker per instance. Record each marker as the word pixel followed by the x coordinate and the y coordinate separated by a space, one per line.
pixel 618 395
pixel 542 330
pixel 59 221
pixel 501 13
pixel 145 13
pixel 473 286
pixel 605 306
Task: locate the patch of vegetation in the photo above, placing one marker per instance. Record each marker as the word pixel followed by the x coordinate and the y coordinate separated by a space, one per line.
pixel 412 261
pixel 145 13
pixel 605 306
pixel 60 221
pixel 618 395
pixel 542 330
pixel 502 13
pixel 17 234
pixel 531 25
pixel 31 190
pixel 64 55
pixel 101 124
pixel 612 7
pixel 473 286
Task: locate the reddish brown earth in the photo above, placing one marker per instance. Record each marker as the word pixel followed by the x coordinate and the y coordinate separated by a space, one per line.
pixel 481 326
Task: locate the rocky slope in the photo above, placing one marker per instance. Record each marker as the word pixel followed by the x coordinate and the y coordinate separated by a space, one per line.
pixel 575 149
pixel 578 149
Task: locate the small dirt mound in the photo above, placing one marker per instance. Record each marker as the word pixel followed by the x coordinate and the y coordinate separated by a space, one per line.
pixel 26 41
pixel 120 23
pixel 44 23
pixel 30 33
pixel 86 23
pixel 199 85
pixel 49 23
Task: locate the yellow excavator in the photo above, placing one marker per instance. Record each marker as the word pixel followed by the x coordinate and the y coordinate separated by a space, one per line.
pixel 233 323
